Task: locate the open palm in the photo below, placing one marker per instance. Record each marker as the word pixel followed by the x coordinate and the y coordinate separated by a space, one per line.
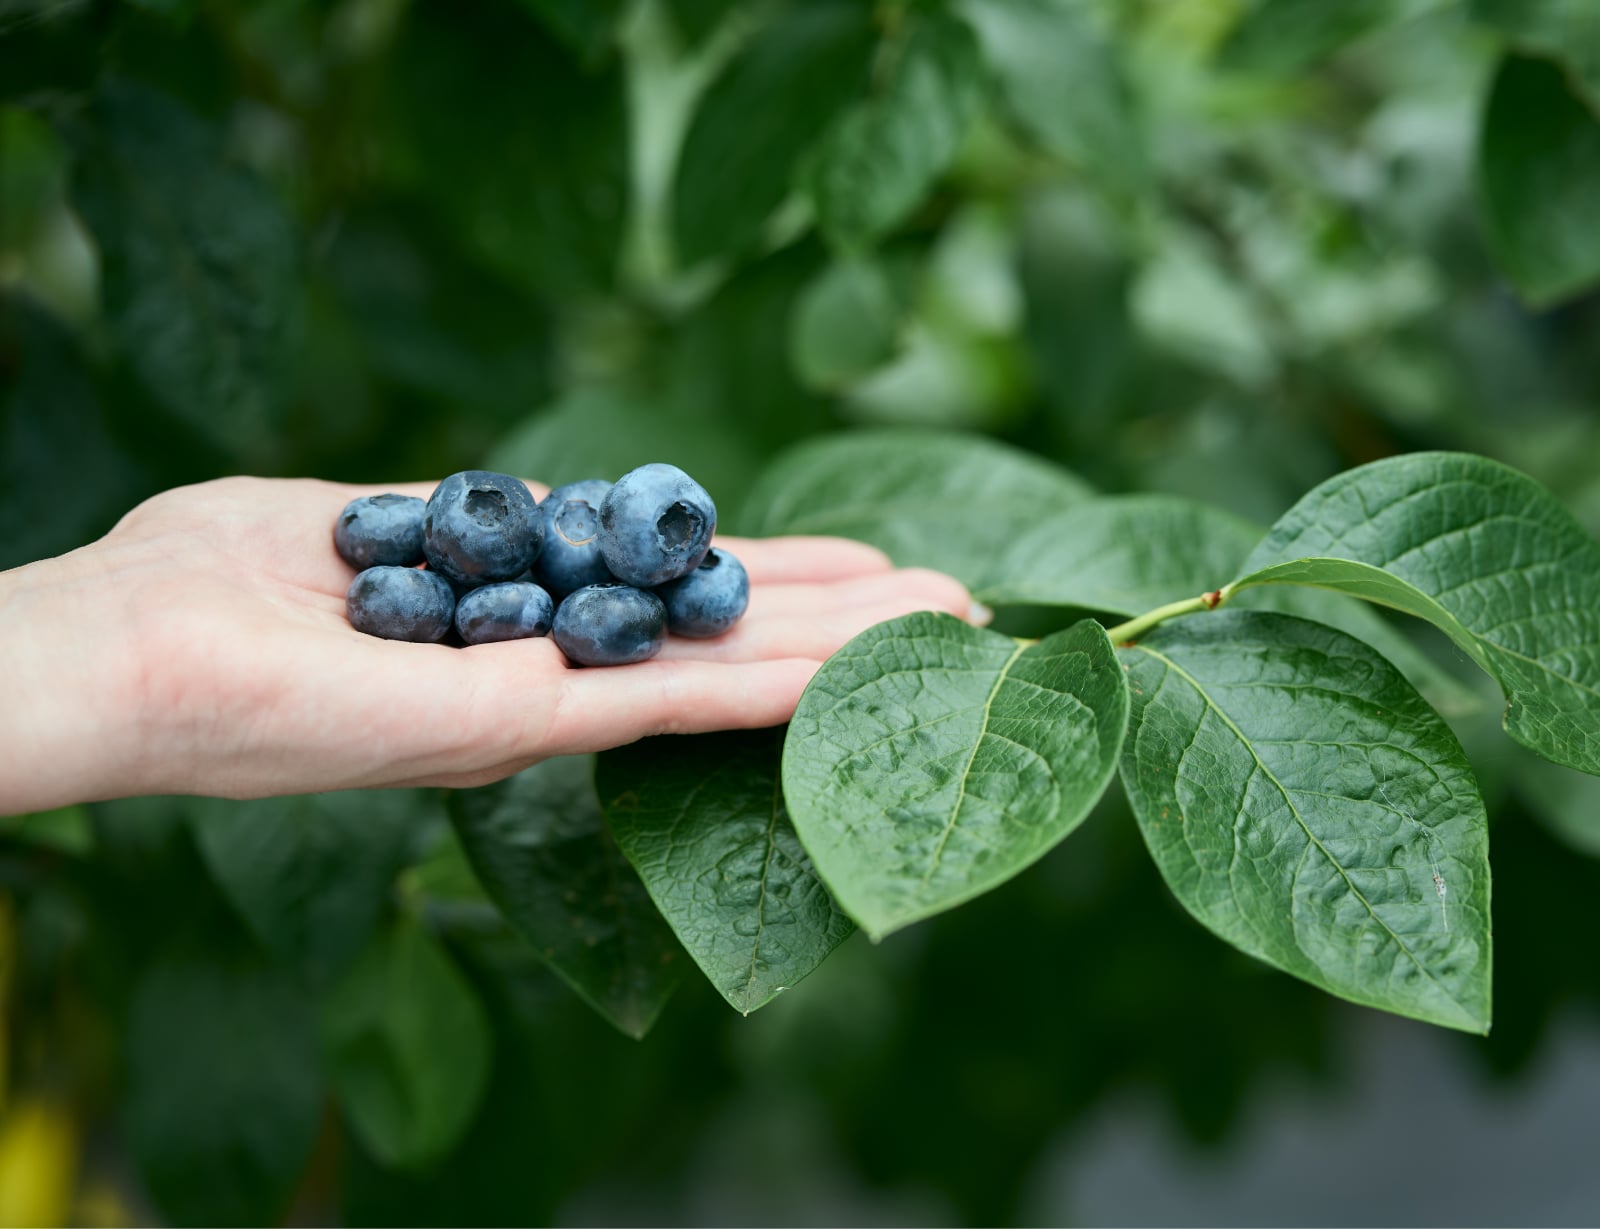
pixel 223 606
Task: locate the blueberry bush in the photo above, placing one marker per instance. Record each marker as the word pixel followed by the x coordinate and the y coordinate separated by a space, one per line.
pixel 1238 353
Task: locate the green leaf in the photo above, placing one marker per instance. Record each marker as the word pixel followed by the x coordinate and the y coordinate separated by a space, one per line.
pixel 1126 554
pixel 929 498
pixel 1122 554
pixel 224 1093
pixel 198 264
pixel 408 1048
pixel 796 75
pixel 310 875
pixel 1064 85
pixel 879 160
pixel 540 848
pixel 1288 36
pixel 1483 552
pixel 1539 181
pixel 845 325
pixel 1304 803
pixel 1566 30
pixel 1350 615
pixel 703 822
pixel 930 761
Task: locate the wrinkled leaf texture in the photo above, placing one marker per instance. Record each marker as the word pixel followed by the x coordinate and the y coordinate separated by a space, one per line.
pixel 1305 803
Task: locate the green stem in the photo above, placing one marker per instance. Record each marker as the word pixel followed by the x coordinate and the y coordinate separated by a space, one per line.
pixel 1127 633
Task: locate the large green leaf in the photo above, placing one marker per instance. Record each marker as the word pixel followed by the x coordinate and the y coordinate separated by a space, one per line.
pixel 310 875
pixel 540 848
pixel 1127 554
pixel 1539 180
pixel 408 1048
pixel 929 498
pixel 1064 85
pixel 198 263
pixel 1483 552
pixel 1122 554
pixel 930 761
pixel 1308 806
pixel 703 822
pixel 795 75
pixel 224 1092
pixel 1568 30
pixel 877 163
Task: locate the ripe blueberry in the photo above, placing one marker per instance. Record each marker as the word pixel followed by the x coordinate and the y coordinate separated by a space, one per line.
pixel 710 599
pixel 514 610
pixel 400 604
pixel 571 556
pixel 656 524
pixel 379 531
pixel 481 527
pixel 610 624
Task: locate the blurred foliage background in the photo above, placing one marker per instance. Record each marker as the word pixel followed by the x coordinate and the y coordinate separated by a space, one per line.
pixel 1220 248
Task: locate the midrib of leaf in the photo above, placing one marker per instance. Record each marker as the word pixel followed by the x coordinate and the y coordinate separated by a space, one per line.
pixel 761 896
pixel 1299 819
pixel 961 794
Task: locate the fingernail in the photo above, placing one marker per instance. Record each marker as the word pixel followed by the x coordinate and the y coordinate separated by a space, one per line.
pixel 979 615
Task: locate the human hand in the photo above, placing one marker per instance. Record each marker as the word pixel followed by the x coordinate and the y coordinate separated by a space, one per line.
pixel 202 647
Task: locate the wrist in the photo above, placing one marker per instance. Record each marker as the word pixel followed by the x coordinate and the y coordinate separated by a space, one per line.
pixel 67 727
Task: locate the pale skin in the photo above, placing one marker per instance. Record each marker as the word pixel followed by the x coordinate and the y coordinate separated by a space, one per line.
pixel 201 647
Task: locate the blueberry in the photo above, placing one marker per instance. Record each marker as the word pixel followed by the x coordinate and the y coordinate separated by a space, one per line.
pixel 571 556
pixel 510 611
pixel 656 524
pixel 611 624
pixel 481 527
pixel 379 531
pixel 710 599
pixel 400 604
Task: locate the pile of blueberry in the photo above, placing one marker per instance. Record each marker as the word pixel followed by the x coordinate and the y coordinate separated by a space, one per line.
pixel 607 568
